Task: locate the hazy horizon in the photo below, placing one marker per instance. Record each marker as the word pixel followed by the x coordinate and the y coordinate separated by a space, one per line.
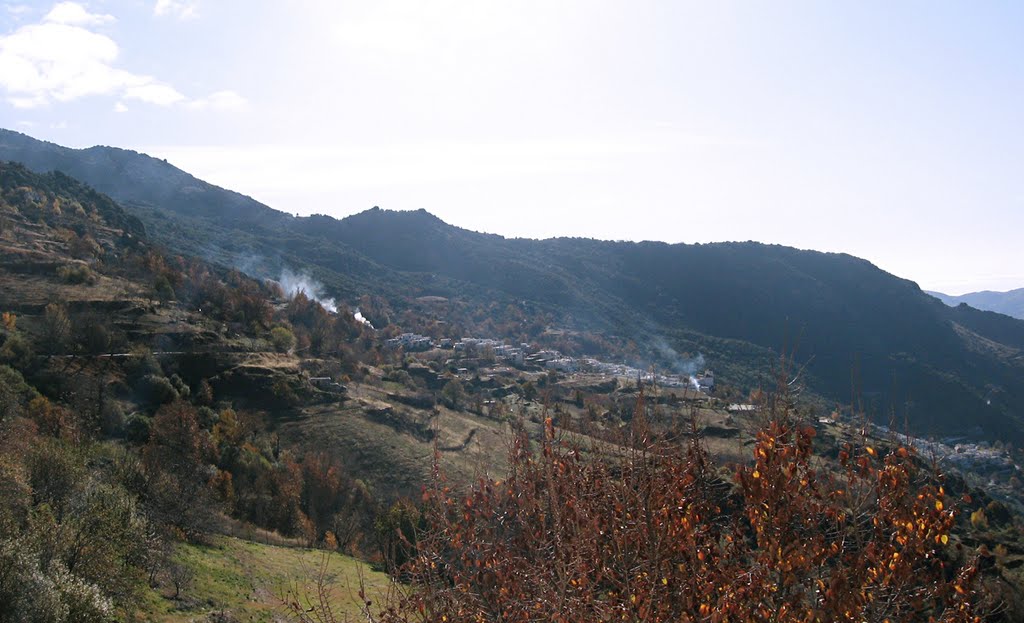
pixel 890 132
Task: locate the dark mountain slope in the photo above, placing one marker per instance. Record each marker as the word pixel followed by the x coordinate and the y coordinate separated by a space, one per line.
pixel 155 182
pixel 1010 303
pixel 862 331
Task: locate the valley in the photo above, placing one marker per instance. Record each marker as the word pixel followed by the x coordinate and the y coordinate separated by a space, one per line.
pixel 223 404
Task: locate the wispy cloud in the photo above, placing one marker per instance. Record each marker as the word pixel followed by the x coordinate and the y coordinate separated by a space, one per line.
pixel 181 9
pixel 221 100
pixel 17 10
pixel 159 94
pixel 64 57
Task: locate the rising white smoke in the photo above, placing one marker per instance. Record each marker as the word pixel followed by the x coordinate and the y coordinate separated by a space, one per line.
pixel 358 315
pixel 688 366
pixel 293 283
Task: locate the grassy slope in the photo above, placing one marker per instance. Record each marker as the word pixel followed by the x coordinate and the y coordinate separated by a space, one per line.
pixel 396 462
pixel 248 579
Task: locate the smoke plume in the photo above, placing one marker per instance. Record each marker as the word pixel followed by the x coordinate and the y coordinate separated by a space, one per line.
pixel 358 315
pixel 688 366
pixel 293 283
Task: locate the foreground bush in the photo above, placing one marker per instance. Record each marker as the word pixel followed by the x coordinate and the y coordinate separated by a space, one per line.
pixel 653 534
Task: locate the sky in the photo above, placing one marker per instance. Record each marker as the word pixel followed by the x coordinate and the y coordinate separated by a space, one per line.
pixel 893 131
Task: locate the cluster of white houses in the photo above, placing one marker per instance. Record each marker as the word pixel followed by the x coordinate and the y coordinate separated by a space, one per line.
pixel 515 355
pixel 549 359
pixel 410 342
pixel 705 381
pixel 979 458
pixel 554 360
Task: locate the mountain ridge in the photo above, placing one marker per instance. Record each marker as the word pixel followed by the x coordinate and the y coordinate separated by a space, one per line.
pixel 861 331
pixel 1010 302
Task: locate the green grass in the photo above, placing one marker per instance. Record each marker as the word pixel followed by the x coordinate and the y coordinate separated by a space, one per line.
pixel 251 580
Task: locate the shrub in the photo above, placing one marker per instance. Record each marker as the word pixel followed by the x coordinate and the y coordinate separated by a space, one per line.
pixel 17 352
pixel 282 338
pixel 158 390
pixel 112 420
pixel 94 336
pixel 396 534
pixel 979 520
pixel 283 392
pixel 204 394
pixel 15 393
pixel 84 247
pixel 655 536
pixel 180 386
pixel 176 461
pixel 453 394
pixel 56 328
pixel 652 532
pixel 163 288
pixel 32 591
pixel 137 427
pixel 76 274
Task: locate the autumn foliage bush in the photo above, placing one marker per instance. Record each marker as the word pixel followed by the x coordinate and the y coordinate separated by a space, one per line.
pixel 655 533
pixel 656 537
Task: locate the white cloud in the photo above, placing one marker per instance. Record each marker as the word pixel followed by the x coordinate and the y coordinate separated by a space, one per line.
pixel 221 100
pixel 154 93
pixel 52 61
pixel 75 14
pixel 120 107
pixel 61 59
pixel 182 9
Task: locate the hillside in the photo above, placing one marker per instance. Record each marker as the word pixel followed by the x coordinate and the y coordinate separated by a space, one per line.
pixel 120 369
pixel 865 335
pixel 1010 303
pixel 843 315
pixel 185 213
pixel 154 404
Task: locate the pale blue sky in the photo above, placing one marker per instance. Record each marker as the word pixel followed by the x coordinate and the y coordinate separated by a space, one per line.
pixel 892 131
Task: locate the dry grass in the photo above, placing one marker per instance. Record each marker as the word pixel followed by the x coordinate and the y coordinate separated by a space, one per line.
pixel 251 581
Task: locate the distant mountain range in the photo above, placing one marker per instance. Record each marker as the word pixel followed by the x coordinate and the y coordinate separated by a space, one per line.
pixel 862 333
pixel 1010 303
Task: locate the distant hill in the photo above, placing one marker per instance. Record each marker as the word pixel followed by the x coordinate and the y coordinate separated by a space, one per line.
pixel 862 332
pixel 1010 303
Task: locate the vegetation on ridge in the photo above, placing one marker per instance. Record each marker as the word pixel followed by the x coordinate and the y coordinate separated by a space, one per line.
pixel 738 303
